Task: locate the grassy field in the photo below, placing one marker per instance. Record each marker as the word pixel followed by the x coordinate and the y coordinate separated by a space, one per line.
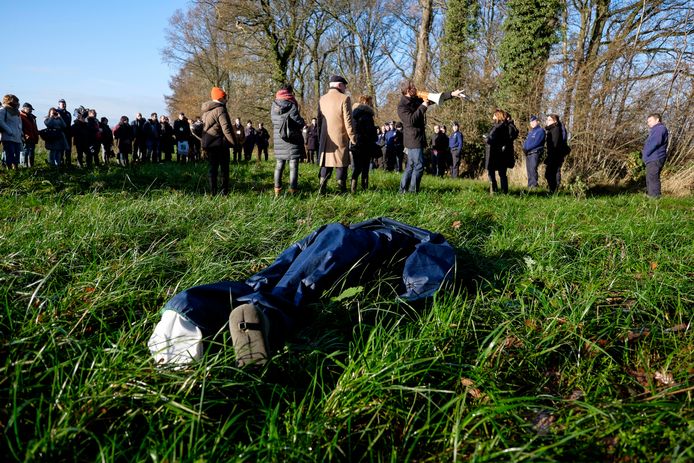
pixel 569 337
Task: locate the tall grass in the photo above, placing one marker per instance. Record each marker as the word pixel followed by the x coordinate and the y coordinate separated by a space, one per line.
pixel 567 338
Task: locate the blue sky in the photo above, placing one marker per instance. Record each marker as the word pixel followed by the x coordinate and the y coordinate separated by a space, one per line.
pixel 102 55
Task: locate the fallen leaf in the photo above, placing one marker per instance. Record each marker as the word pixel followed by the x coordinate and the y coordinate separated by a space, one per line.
pixel 531 323
pixel 678 328
pixel 456 224
pixel 654 265
pixel 664 378
pixel 466 382
pixel 635 335
pixel 640 376
pixel 576 394
pixel 512 342
pixel 542 422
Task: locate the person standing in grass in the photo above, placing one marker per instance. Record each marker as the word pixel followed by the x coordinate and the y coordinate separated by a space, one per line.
pixel 181 128
pixel 654 153
pixel 166 140
pixel 217 136
pixel 287 136
pixel 262 140
pixel 152 131
pixel 11 130
pixel 495 160
pixel 79 134
pixel 93 138
pixel 557 149
pixel 455 146
pixel 66 157
pixel 534 149
pixel 312 144
pixel 123 135
pixel 106 140
pixel 248 140
pixel 365 148
pixel 30 134
pixel 239 134
pixel 58 145
pixel 140 138
pixel 336 132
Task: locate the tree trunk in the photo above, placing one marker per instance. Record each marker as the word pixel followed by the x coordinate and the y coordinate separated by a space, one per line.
pixel 421 65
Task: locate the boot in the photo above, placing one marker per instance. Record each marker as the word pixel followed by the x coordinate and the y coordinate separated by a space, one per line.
pixel 364 184
pixel 353 186
pixel 341 186
pixel 249 329
pixel 323 185
pixel 293 191
pixel 278 190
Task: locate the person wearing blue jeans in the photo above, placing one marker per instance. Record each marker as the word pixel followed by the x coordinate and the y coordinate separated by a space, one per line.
pixel 534 148
pixel 654 153
pixel 412 110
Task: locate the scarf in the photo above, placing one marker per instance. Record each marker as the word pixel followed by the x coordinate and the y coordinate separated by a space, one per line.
pixel 286 95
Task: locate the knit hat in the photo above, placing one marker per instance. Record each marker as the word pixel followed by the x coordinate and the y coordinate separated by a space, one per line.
pixel 28 105
pixel 533 118
pixel 218 94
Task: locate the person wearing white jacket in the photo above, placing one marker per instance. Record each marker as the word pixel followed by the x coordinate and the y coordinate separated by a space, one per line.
pixel 11 130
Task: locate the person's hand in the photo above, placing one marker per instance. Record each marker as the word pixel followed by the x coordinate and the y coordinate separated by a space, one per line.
pixel 458 94
pixel 425 103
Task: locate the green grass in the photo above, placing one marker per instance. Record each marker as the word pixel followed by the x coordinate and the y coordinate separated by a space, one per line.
pixel 568 338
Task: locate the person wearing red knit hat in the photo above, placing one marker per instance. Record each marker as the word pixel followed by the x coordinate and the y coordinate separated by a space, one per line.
pixel 217 137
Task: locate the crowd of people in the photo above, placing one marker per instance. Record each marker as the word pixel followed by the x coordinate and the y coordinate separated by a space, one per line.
pixel 342 135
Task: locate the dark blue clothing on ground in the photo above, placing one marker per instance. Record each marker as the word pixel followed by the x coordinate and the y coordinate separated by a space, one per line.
pixel 655 147
pixel 300 275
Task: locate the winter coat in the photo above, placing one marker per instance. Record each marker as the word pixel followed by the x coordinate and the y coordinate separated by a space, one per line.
pixel 123 133
pixel 336 128
pixel 239 132
pixel 556 144
pixel 655 147
pixel 365 132
pixel 138 126
pixel 294 147
pixel 411 112
pixel 509 151
pixel 106 134
pixel 535 143
pixel 60 143
pixel 497 139
pixel 10 125
pixel 166 133
pixel 152 131
pixel 29 128
pixel 80 134
pixel 181 129
pixel 262 138
pixel 455 141
pixel 216 126
pixel 440 143
pixel 312 136
pixel 249 137
pixel 93 132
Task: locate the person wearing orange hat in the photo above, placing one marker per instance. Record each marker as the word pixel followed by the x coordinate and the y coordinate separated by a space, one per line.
pixel 217 137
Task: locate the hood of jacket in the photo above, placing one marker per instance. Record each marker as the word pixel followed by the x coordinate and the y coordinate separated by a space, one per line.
pixel 210 105
pixel 359 109
pixel 281 106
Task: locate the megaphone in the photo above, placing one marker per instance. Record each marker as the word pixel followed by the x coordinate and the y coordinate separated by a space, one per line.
pixel 426 96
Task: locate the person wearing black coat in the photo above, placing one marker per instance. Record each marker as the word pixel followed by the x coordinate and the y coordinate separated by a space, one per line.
pixel 557 149
pixel 262 140
pixel 123 135
pixel 365 148
pixel 106 140
pixel 509 151
pixel 439 152
pixel 79 134
pixel 152 131
pixel 67 119
pixel 93 138
pixel 312 142
pixel 166 138
pixel 182 135
pixel 496 156
pixel 249 140
pixel 288 139
pixel 140 138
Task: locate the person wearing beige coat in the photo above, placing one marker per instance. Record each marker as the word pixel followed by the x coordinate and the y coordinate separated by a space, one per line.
pixel 336 133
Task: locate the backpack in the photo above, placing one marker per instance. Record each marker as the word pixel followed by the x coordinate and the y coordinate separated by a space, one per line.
pixel 284 130
pixel 50 135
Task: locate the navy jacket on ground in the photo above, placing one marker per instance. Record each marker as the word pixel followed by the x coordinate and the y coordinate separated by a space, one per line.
pixel 656 144
pixel 301 274
pixel 535 140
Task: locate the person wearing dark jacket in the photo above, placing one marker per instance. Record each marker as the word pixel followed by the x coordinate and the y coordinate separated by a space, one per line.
pixel 181 131
pixel 106 140
pixel 248 140
pixel 66 156
pixel 439 151
pixel 123 135
pixel 287 136
pixel 509 150
pixel 534 149
pixel 262 140
pixel 365 148
pixel 93 133
pixel 217 137
pixel 140 138
pixel 654 153
pixel 312 142
pixel 455 146
pixel 55 146
pixel 240 137
pixel 412 110
pixel 556 150
pixel 30 135
pixel 152 132
pixel 495 160
pixel 79 134
pixel 166 138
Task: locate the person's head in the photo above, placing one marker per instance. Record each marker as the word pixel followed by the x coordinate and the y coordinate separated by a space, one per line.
pixel 138 116
pixel 398 126
pixel 53 113
pixel 287 88
pixel 153 116
pixel 218 94
pixel 237 121
pixel 552 119
pixel 181 116
pixel 91 113
pixel 104 120
pixel 162 118
pixel 653 119
pixel 314 121
pixel 508 116
pixel 455 126
pixel 260 125
pixel 10 100
pixel 499 116
pixel 249 123
pixel 437 128
pixel 408 88
pixel 367 100
pixel 27 108
pixel 124 119
pixel 534 121
pixel 338 82
pixel 61 104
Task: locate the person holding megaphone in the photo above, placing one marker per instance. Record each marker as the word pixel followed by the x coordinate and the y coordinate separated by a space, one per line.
pixel 411 110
